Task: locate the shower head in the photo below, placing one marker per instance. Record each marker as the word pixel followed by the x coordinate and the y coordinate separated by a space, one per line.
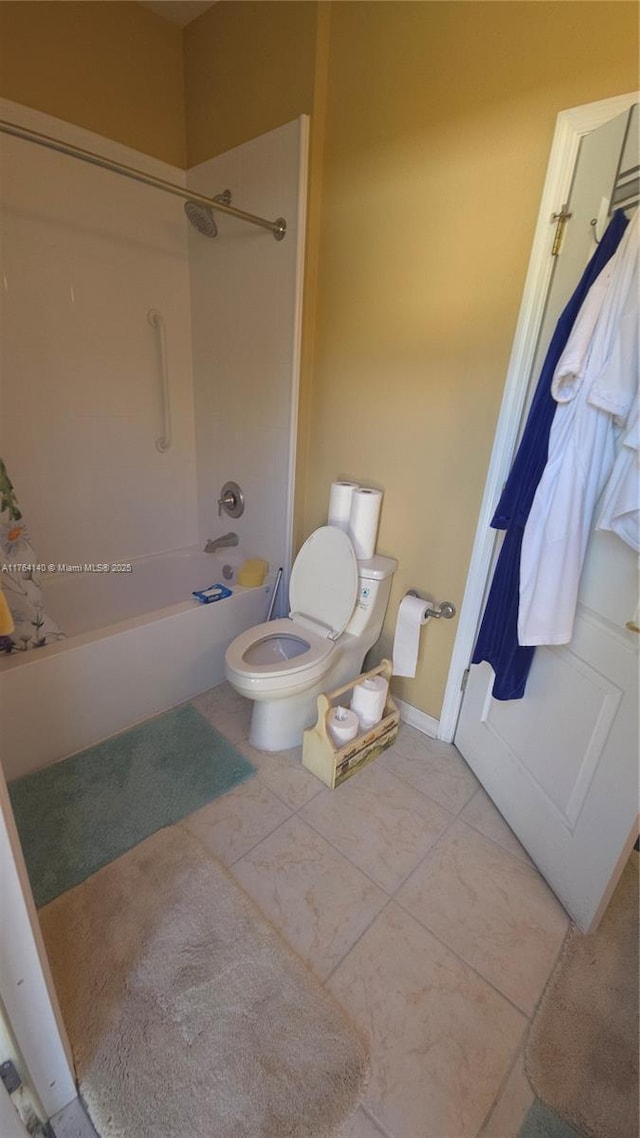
pixel 201 217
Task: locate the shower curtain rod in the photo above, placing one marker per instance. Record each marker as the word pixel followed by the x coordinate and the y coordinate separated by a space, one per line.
pixel 277 227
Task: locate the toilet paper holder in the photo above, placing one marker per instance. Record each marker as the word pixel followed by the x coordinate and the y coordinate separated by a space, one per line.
pixel 446 609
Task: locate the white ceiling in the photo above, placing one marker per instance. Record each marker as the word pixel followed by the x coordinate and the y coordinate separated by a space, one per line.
pixel 178 11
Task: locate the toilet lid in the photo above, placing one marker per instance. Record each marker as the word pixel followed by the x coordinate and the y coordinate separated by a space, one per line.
pixel 324 580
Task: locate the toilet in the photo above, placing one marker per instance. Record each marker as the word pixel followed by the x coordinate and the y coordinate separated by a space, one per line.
pixel 338 606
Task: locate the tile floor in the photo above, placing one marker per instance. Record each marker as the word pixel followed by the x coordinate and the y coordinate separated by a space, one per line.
pixel 410 898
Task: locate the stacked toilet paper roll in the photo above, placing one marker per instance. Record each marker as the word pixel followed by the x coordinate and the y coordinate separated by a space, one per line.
pixel 343 725
pixel 363 521
pixel 340 498
pixel 356 509
pixel 368 701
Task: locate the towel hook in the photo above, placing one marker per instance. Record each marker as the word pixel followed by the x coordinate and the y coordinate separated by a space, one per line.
pixel 601 219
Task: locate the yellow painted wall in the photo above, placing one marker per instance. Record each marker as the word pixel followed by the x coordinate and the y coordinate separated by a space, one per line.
pixel 439 122
pixel 249 67
pixel 115 68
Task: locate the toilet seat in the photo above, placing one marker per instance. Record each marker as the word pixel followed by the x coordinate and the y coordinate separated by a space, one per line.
pixel 291 675
pixel 287 656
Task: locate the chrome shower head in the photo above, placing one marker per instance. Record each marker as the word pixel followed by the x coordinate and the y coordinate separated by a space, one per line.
pixel 201 217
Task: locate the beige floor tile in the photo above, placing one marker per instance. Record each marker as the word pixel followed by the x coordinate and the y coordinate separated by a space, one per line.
pixel 481 813
pixel 379 823
pixel 222 698
pixel 234 823
pixel 435 768
pixel 512 1105
pixel 492 909
pixel 318 901
pixel 441 1039
pixel 226 711
pixel 284 774
pixel 360 1126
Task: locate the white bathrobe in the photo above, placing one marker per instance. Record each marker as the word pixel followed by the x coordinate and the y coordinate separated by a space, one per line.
pixel 620 506
pixel 595 384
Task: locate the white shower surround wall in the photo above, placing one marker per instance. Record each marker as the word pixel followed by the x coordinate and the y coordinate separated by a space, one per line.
pixel 57 700
pixel 86 255
pixel 246 313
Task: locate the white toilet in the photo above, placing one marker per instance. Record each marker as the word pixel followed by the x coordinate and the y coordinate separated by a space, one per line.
pixel 337 610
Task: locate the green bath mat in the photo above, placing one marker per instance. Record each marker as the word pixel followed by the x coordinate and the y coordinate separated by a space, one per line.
pixel 80 814
pixel 542 1122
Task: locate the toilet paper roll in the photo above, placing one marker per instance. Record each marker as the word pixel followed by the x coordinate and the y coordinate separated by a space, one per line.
pixel 363 521
pixel 412 614
pixel 340 503
pixel 343 725
pixel 368 701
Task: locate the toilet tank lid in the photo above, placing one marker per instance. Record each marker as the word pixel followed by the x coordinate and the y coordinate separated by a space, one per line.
pixel 377 568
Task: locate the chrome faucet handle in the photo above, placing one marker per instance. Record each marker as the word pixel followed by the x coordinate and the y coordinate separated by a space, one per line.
pixel 228 502
pixel 231 500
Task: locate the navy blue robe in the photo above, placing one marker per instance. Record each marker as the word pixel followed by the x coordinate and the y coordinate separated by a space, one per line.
pixel 498 637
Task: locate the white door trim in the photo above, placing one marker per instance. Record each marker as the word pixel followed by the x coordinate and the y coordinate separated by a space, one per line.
pixel 26 986
pixel 11 1125
pixel 571 127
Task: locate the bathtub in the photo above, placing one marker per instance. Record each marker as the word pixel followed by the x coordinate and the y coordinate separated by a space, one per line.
pixel 137 643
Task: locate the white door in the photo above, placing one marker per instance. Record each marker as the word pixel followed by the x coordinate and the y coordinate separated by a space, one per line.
pixel 562 763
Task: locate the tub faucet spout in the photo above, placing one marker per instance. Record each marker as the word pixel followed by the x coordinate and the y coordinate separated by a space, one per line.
pixel 221 542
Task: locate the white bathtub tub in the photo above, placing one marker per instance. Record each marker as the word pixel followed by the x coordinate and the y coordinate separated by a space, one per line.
pixel 137 644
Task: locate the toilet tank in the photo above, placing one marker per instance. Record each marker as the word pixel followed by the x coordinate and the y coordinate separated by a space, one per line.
pixel 374 586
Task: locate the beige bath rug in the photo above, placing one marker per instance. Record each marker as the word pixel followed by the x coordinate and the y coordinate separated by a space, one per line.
pixel 188 1016
pixel 582 1054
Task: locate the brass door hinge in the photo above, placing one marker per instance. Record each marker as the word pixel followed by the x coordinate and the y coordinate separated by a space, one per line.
pixel 561 219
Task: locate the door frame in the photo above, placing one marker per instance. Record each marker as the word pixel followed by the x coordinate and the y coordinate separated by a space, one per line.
pixel 26 984
pixel 11 1125
pixel 571 127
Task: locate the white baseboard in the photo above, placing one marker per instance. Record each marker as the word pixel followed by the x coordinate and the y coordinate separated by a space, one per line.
pixel 418 719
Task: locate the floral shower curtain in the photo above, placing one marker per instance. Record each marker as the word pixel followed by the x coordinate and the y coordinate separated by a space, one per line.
pixel 19 578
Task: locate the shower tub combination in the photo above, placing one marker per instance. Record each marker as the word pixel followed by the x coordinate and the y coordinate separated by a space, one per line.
pixel 136 644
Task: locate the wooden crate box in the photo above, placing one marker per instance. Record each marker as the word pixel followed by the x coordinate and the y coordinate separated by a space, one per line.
pixel 333 764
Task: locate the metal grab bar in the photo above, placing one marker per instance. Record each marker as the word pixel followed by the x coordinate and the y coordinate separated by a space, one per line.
pixel 156 321
pixel 277 227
